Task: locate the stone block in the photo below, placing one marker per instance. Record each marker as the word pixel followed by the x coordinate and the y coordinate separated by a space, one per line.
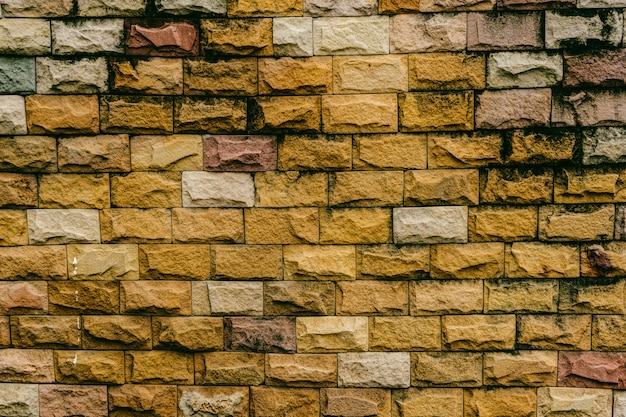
pixel 14 225
pixel 20 399
pixel 154 400
pixel 583 29
pixel 446 369
pixel 62 114
pixel 540 148
pixel 166 153
pixel 231 401
pixel 370 74
pixel 504 109
pixel 29 262
pixel 223 77
pixel 72 191
pixel 364 35
pixel 462 150
pixel 427 402
pixel 67 400
pixel 209 115
pixel 28 154
pixel 102 153
pixel 603 145
pixel 239 153
pixel 493 223
pixel 247 262
pixel 457 5
pixel 110 7
pixel 13 115
pixel 535 4
pixel 470 260
pixel 372 298
pixel 589 185
pixel 404 333
pixel 61 76
pixel 603 296
pixel 5 333
pixel 146 190
pixel 24 36
pixel 191 7
pixel 45 332
pixel 430 224
pixel 35 8
pixel 235 298
pixel 88 36
pixel 229 368
pixel 159 367
pixel 291 189
pixel 446 71
pixel 24 297
pixel 301 370
pixel 428 32
pixel 252 8
pixel 188 333
pixel 243 37
pixel 595 68
pixel 151 76
pixel 136 114
pixel 516 186
pixel 117 332
pixel 441 187
pixel 155 297
pixel 608 332
pixel 87 297
pixel 355 226
pixel 275 334
pixel 591 369
pixel 26 365
pixel 531 368
pixel 374 369
pixel 579 223
pixel 514 402
pixel 282 226
pixel 17 75
pixel 589 108
pixel 316 152
pixel 504 31
pixel 392 262
pixel 308 262
pixel 552 401
pixel 184 262
pixel 320 8
pixel 541 260
pixel 337 402
pixel 479 332
pixel 292 36
pixel 552 332
pixel 89 367
pixel 207 225
pixel 436 111
pixel 299 298
pixel 129 225
pixel 524 69
pixel 295 76
pixel 521 296
pixel 397 6
pixel 393 151
pixel 289 113
pixel 54 226
pixel 366 188
pixel 331 334
pixel 161 38
pixel 18 190
pixel 446 297
pixel 269 401
pixel 208 189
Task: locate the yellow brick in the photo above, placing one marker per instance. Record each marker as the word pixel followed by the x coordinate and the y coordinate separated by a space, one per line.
pixel 166 153
pixel 386 298
pixel 186 262
pixel 295 75
pixel 540 260
pixel 366 189
pixel 285 113
pixel 541 148
pixel 441 187
pixel 282 226
pixel 441 402
pixel 331 334
pixel 576 223
pixel 388 261
pixel 355 226
pixel 516 186
pixel 360 113
pixel 446 369
pixel 251 8
pixel 521 296
pixel 512 402
pixel 446 297
pixel 593 185
pixel 237 77
pixel 146 189
pixel 62 114
pixel 209 115
pixel 309 262
pixel 471 260
pixel 135 114
pixel 479 332
pixel 129 225
pixel 151 76
pixel 14 228
pixel 74 191
pixel 523 368
pixel 424 112
pixel 210 225
pixel 391 151
pixel 236 37
pixel 398 6
pixel 609 332
pixel 404 333
pixel 462 150
pixel 370 74
pixel 315 152
pixel 605 260
pixel 600 296
pixel 247 262
pixel 290 189
pixel 554 332
pixel 446 71
pixel 494 223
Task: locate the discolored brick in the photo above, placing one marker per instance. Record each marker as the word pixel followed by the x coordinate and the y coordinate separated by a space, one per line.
pixel 185 262
pixel 446 369
pixel 427 32
pixel 521 296
pixel 159 367
pixel 23 298
pixel 232 400
pixel 161 38
pixel 392 262
pixel 299 298
pixel 85 366
pixel 516 186
pixel 288 113
pixel 390 151
pixel 209 115
pixel 446 297
pixel 223 77
pixel 277 334
pixel 239 153
pixel 504 31
pixel 18 190
pixel 504 109
pixel 150 297
pixel 188 333
pixel 242 37
pixel 85 400
pixel 102 153
pixel 116 332
pixel 552 332
pixel 135 114
pixel 429 111
pixel 88 297
pixel 28 154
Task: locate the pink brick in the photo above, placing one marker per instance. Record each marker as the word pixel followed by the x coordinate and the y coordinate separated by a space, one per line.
pixel 504 109
pixel 23 297
pixel 605 67
pixel 240 153
pixel 73 400
pixel 161 38
pixel 504 31
pixel 26 365
pixel 253 334
pixel 592 369
pixel 590 108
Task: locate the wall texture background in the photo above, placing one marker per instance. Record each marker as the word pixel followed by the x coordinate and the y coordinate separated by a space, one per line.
pixel 294 208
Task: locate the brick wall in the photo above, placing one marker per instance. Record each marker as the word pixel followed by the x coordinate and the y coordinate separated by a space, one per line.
pixel 295 208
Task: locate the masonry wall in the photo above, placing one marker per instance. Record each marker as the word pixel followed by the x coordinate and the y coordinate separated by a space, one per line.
pixel 294 208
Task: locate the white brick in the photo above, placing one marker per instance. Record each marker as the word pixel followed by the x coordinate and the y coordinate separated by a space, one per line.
pixel 293 36
pixel 84 76
pixel 238 298
pixel 604 145
pixel 619 403
pixel 340 7
pixel 24 36
pixel 580 402
pixel 92 36
pixel 217 189
pixel 182 7
pixel 351 35
pixel 430 224
pixel 524 69
pixel 428 32
pixel 374 369
pixel 58 226
pixel 111 7
pixel 563 31
pixel 19 400
pixel 12 115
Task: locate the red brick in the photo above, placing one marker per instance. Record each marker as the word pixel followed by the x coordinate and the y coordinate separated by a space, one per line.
pixel 592 369
pixel 504 31
pixel 589 108
pixel 240 153
pixel 605 68
pixel 260 334
pixel 161 38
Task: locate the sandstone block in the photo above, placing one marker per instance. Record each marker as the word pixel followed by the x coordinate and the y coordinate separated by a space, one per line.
pixel 374 369
pixel 541 260
pixel 136 225
pixel 278 114
pixel 552 401
pixel 479 332
pixel 397 6
pixel 301 370
pixel 603 261
pixel 618 403
pixel 514 402
pixel 521 296
pixel 251 8
pixel 355 226
pixel 540 148
pixel 595 68
pixel 589 108
pixel 135 114
pixel 162 297
pixel 360 113
pixel 370 74
pixel 292 36
pixel 102 153
pixel 45 332
pixel 232 401
pixel 471 260
pixel 428 32
pixel 84 366
pixel 152 76
pixel 228 298
pixel 290 189
pixel 26 365
pixel 441 187
pixel 24 36
pixel 339 8
pixel 20 399
pixel 84 76
pixel 146 189
pixel 331 334
pixel 116 332
pixel 444 6
pixel 366 188
pixel 523 368
pixel 493 223
pixel 276 334
pixel 299 298
pixel 34 8
pixel 404 333
pixel 237 37
pixel 446 297
pixel 366 35
pixel 161 38
pixel 224 78
pixel 209 115
pixel 552 332
pixel 604 144
pixel 427 402
pixel 88 297
pixel 17 75
pixel 316 152
pixel 110 7
pixel 186 262
pixel 239 153
pixel 14 225
pixel 392 262
pixel 229 368
pixel 268 402
pixel 462 150
pixel 207 189
pixel 308 262
pixel 295 75
pixel 372 297
pixel 430 224
pixel 188 333
pixel 185 7
pixel 446 71
pixel 28 153
pixel 393 151
pixel 524 69
pixel 89 36
pixel 13 115
pixel 5 333
pixel 591 185
pixel 337 402
pixel 604 296
pixel 503 109
pixel 24 297
pixel 504 31
pixel 591 369
pixel 443 369
pixel 166 153
pixel 29 262
pixel 18 190
pixel 159 367
pixel 517 186
pixel 423 112
pixel 87 191
pixel 590 28
pixel 608 332
pixel 282 226
pixel 155 400
pixel 86 401
pixel 247 262
pixel 53 226
pixel 576 222
pixel 200 225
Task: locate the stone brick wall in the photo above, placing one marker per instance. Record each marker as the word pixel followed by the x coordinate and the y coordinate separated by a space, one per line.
pixel 306 208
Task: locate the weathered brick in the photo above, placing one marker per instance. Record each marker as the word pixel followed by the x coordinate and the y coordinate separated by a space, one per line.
pixel 535 4
pixel 295 75
pixel 552 332
pixel 62 114
pixel 290 189
pixel 36 8
pixel 237 37
pixel 110 7
pixel 88 191
pixel 24 36
pixel 430 224
pixel 146 189
pixel 397 6
pixel 292 36
pixel 446 369
pixel 552 401
pixel 331 334
pixel 228 298
pixel 263 334
pixel 580 223
pixel 370 74
pixel 18 190
pixel 24 298
pixel 462 150
pixel 149 297
pixel 60 76
pixel 28 154
pixel 608 332
pixel 166 153
pixel 209 115
pixel 603 144
pixel 541 260
pixel 585 28
pixel 151 76
pixel 129 225
pixel 102 153
pixel 13 118
pixel 603 296
pixel 89 36
pixel 316 152
pixel 87 297
pixel 457 5
pixel 116 332
pixel 524 368
pixel 504 109
pixel 446 297
pixel 159 367
pixel 441 187
pixel 514 402
pixel 589 185
pixel 591 369
pixel 540 148
pixel 478 332
pixel 14 226
pixel 85 400
pixel 388 298
pixel 428 32
pixel 193 400
pixel 427 402
pixel 136 114
pixel 54 226
pixel 282 226
pixel 269 401
pixel 374 369
pixel 89 367
pixel 494 223
pixel 185 262
pixel 304 298
pixel 17 75
pixel 158 401
pixel 589 108
pixel 521 296
pixel 404 333
pixel 247 262
pixel 355 225
pixel 504 31
pixel 45 332
pixel 30 262
pixel 595 68
pixel 436 111
pixel 446 71
pixel 337 402
pixel 517 186
pixel 185 7
pixel 367 35
pixel 301 370
pixel 288 113
pixel 188 333
pixel 212 225
pixel 366 188
pixel 392 262
pixel 20 399
pixel 229 368
pixel 251 8
pixel 224 78
pixel 161 38
pixel 470 260
pixel 393 151
pixel 239 153
pixel 26 365
pixel 339 8
pixel 524 69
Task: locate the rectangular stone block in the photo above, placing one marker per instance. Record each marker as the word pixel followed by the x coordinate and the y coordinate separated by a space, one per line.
pixel 228 298
pixel 554 332
pixel 504 31
pixel 504 109
pixel 110 7
pixel 331 334
pixel 85 191
pixel 428 32
pixel 184 262
pixel 441 187
pixel 304 298
pixel 54 226
pixel 136 114
pixel 158 37
pixel 388 298
pixel 28 154
pixel 579 223
pixel 603 144
pixel 541 260
pixel 239 153
pixel 364 35
pixel 281 114
pixel 589 108
pixel 194 400
pixel 89 367
pixel 516 186
pixel 366 188
pixel 26 365
pixel 160 401
pixel 20 398
pixel 251 8
pixel 282 226
pixel 130 225
pixel 146 190
pixel 25 36
pixel 301 370
pixel 540 148
pixel 117 332
pixel 463 150
pixel 470 260
pixel 430 224
pixel 309 262
pixel 479 332
pixel 315 152
pixel 521 296
pixel 150 297
pixel 89 36
pixel 207 189
pixel 397 6
pixel 293 76
pixel 392 151
pixel 446 297
pixel 292 36
pixel 427 402
pixel 30 262
pixel 17 75
pixel 442 6
pixel 603 296
pixel 355 226
pixel 493 223
pixel 18 190
pixel 102 153
pixel 370 74
pixel 207 225
pixel 428 111
pixel 229 368
pixel 83 76
pixel 86 400
pixel 339 8
pixel 24 298
pixel 552 401
pixel 45 332
pixel 13 119
pixel 268 402
pixel 290 189
pixel 404 333
pixel 595 68
pixel 446 369
pixel 607 332
pixel 374 369
pixel 14 225
pixel 591 369
pixel 209 115
pixel 222 78
pixel 260 334
pixel 5 335
pixel 532 368
pixel 514 402
pixel 337 402
pixel 524 69
pixel 585 28
pixel 243 37
pixel 62 114
pixel 188 333
pixel 392 262
pixel 446 71
pixel 87 297
pixel 159 367
pixel 35 8
pixel 247 262
pixel 589 185
pixel 151 76
pixel 166 153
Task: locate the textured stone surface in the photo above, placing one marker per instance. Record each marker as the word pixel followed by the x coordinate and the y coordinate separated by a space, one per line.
pixel 19 400
pixel 159 367
pixel 48 263
pixel 136 114
pixel 595 68
pixel 351 35
pixel 428 32
pixel 62 114
pixel 81 366
pixel 429 111
pixel 149 297
pixel 116 332
pixel 208 189
pixel 151 76
pixel 15 228
pixel 589 186
pixel 339 8
pixel 280 114
pixel 604 144
pixel 306 262
pixel 514 402
pixel 247 262
pixel 207 225
pixel 170 153
pixel 591 370
pixel 18 190
pixel 355 226
pixel 397 6
pixel 538 148
pixel 28 153
pixel 23 298
pixel 404 333
pixel 331 334
pixel 374 369
pixel 299 298
pixel 455 369
pixel 34 8
pixel 17 75
pixel 295 75
pixel 593 108
pixel 229 368
pixel 209 115
pixel 87 191
pixel 102 153
pixel 372 297
pixel 576 223
pixel 608 332
pixel 239 153
pixel 282 226
pixel 110 7
pixel 446 6
pixel 90 36
pixel 316 152
pixel 430 225
pixel 510 296
pixel 370 74
pixel 235 298
pixel 26 365
pixel 540 260
pixel 393 151
pixel 479 332
pixel 53 226
pixel 260 334
pixel 185 262
pixel 493 223
pixel 185 7
pixel 551 332
pixel 146 189
pixel 301 370
pixel 446 297
pixel 382 261
pixel 462 150
pixel 552 401
pixel 158 38
pixel 427 402
pixel 83 297
pixel 45 332
pixel 85 76
pixel 85 401
pixel 268 402
pixel 153 400
pixel 231 401
pixel 521 186
pixel 291 188
pixel 359 113
pixel 524 69
pixel 337 402
pixel 136 226
pixel 513 108
pixel 188 333
pixel 604 296
pixel 471 260
pixel 292 36
pixel 237 37
pixel 251 8
pixel 366 188
pixel 504 31
pixel 12 115
pixel 24 36
pixel 524 368
pixel 441 187
pixel 446 71
pixel 226 78
pixel 601 28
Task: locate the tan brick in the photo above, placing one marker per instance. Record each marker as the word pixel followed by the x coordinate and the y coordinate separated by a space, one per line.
pixel 441 187
pixel 291 189
pixel 102 153
pixel 470 260
pixel 505 109
pixel 88 297
pixel 247 262
pixel 188 333
pixel 285 114
pixel 374 369
pixel 580 223
pixel 552 401
pixel 227 298
pixel 316 152
pixel 251 8
pixel 159 367
pixel 462 150
pixel 25 298
pixel 446 369
pixel 229 368
pixel 62 114
pixel 370 74
pixel 28 153
pixel 160 401
pixel 5 332
pixel 397 262
pixel 397 6
pixel 45 332
pixel 479 332
pixel 187 262
pixel 404 333
pixel 508 224
pixel 541 260
pixel 423 32
pixel 521 296
pixel 351 35
pixel 362 401
pixel 86 400
pixel 269 402
pixel 299 298
pixel 88 366
pixel 74 191
pixel 102 262
pixel 129 225
pixel 424 112
pixel 236 37
pixel 135 114
pixel 446 297
pixel 331 334
pixel 116 332
pixel 193 400
pixel 599 296
pixel 151 76
pixel 301 370
pixel 282 226
pixel 31 262
pixel 148 297
pixel 360 113
pixel 552 332
pixel 366 188
pixel 14 226
pixel 222 78
pixel 427 402
pixel 295 76
pixel 207 225
pixel 372 298
pixel 524 368
pixel 513 402
pixel 26 365
pixel 606 260
pixel 446 71
pixel 312 262
pixel 608 332
pixel 18 190
pixel 166 153
pixel 146 189
pixel 209 115
pixel 540 148
pixel 355 226
pixel 592 185
pixel 516 186
pixel 392 151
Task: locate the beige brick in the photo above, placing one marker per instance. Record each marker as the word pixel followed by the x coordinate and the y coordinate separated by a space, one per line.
pixel 53 226
pixel 28 153
pixel 317 152
pixel 579 223
pixel 221 78
pixel 157 400
pixel 552 332
pixel 103 262
pixel 362 35
pixel 151 76
pixel 519 108
pixel 135 114
pixel 117 332
pixel 292 36
pixel 446 297
pixel 508 224
pixel 185 262
pixel 360 113
pixel 479 332
pixel 404 333
pixel 33 262
pixel 14 226
pixel 372 298
pixel 363 401
pixel 285 114
pixel 236 37
pixel 207 225
pixel 424 32
pixel 282 226
pixel 26 365
pixel 370 74
pixel 269 401
pixel 294 76
pixel 86 297
pixel 441 187
pixel 594 185
pixel 290 189
pixel 539 148
pixel 366 188
pixel 424 112
pixel 446 71
pixel 355 226
pixel 521 296
pixel 392 151
pixel 541 260
pixel 217 189
pixel 159 367
pixel 312 262
pixel 516 186
pixel 427 402
pixel 74 191
pixel 446 369
pixel 102 153
pixel 387 261
pixel 188 333
pixel 229 368
pixel 600 296
pixel 470 260
pixel 299 298
pixel 149 297
pixel 30 297
pixel 247 262
pixel 209 115
pixel 301 370
pixel 462 150
pixel 331 334
pixel 45 332
pixel 13 115
pixel 552 401
pixel 374 369
pixel 442 224
pixel 228 298
pixel 608 332
pixel 166 153
pixel 513 402
pixel 88 366
pixel 136 226
pixel 524 368
pixel 62 114
pixel 194 399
